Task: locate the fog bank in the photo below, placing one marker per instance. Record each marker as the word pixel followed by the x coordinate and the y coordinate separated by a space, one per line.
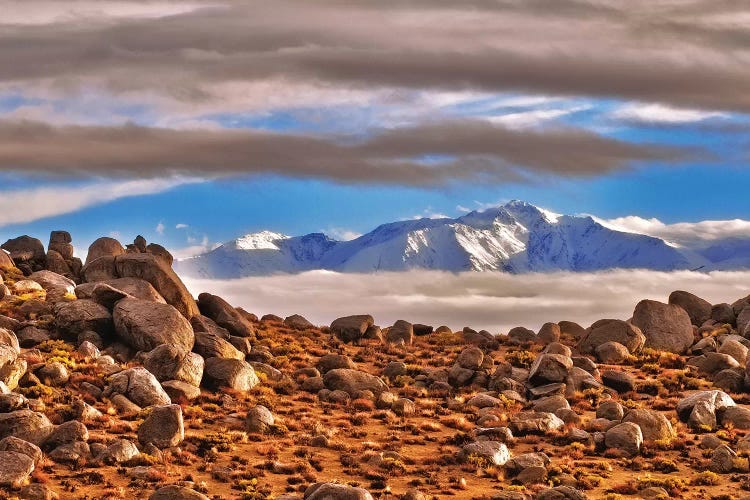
pixel 489 300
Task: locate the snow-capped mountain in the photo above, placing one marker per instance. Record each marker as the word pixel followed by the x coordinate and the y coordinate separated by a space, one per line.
pixel 516 237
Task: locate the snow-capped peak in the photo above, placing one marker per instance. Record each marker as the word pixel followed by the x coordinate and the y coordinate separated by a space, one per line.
pixel 515 237
pixel 259 241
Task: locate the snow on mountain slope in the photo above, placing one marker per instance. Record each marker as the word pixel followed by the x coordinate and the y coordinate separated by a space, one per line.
pixel 516 237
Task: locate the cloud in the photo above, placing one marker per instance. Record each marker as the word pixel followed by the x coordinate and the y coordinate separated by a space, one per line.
pixel 160 228
pixel 468 150
pixel 341 233
pixel 494 301
pixel 681 233
pixel 661 114
pixel 187 55
pixel 181 226
pixel 194 248
pixel 26 205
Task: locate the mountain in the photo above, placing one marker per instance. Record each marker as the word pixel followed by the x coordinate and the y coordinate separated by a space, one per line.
pixel 516 237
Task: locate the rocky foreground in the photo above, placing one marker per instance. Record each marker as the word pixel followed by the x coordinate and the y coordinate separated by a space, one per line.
pixel 116 383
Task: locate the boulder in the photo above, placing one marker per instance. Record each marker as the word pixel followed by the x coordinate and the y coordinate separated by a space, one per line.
pixel 122 450
pixel 401 332
pixel 735 349
pixel 519 463
pixel 176 492
pixel 227 372
pixel 716 399
pixel 618 380
pixel 78 316
pixel 737 416
pixel 169 362
pixel 27 425
pixel 298 322
pixel 54 262
pixel 57 287
pixel 180 391
pixel 160 253
pixel 611 410
pixel 149 268
pixel 612 353
pixel 138 385
pixel 104 247
pixel 101 269
pixel 722 460
pixel 532 422
pixel 134 287
pixel 488 452
pixel 164 427
pixel 61 242
pixel 723 314
pixel 560 493
pixel 15 468
pixel 654 425
pixel 352 328
pixel 25 249
pixel 23 447
pixel 65 433
pixel 549 332
pixel 5 261
pixel 225 315
pixel 549 368
pixel 626 437
pixel 698 310
pixel 352 381
pixel 145 325
pixel 520 335
pixel 334 361
pixel 210 345
pixel 667 327
pixel 612 330
pixel 259 420
pixel 335 491
pixel 471 358
pixel 571 329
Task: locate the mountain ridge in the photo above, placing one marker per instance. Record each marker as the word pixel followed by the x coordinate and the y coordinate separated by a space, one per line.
pixel 516 237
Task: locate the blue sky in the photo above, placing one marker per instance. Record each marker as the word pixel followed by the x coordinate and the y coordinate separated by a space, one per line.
pixel 685 153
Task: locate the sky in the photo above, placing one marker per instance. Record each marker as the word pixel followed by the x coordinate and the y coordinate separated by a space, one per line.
pixel 194 122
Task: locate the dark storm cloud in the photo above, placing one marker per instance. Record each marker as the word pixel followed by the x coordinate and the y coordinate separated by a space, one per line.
pixel 425 155
pixel 691 53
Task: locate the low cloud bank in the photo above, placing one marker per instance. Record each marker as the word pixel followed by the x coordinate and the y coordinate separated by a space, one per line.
pixel 488 300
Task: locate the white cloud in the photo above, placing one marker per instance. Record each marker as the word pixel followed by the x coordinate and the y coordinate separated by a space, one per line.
pixel 181 226
pixel 194 248
pixel 533 118
pixel 25 205
pixel 681 233
pixel 341 233
pixel 493 301
pixel 160 228
pixel 660 113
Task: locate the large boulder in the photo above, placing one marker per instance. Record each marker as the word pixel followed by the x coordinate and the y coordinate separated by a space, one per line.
pixel 164 427
pixel 491 452
pixel 667 327
pixel 138 385
pixel 549 368
pixel 25 249
pixel 15 468
pixel 134 287
pixel 534 422
pixel 104 247
pixel 626 437
pixel 715 400
pixel 352 381
pixel 78 316
pixel 58 287
pixel 352 328
pixel 225 315
pixel 62 243
pixel 210 345
pixel 152 269
pixel 169 362
pixel 227 372
pixel 335 491
pixel 401 332
pixel 698 309
pixel 99 269
pixel 654 425
pixel 145 325
pixel 27 425
pixel 612 330
pixel 5 261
